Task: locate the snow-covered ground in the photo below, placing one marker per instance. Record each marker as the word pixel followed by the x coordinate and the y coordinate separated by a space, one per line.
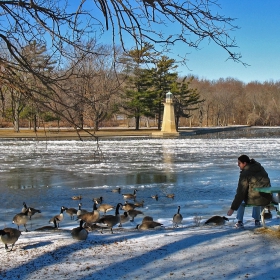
pixel 197 252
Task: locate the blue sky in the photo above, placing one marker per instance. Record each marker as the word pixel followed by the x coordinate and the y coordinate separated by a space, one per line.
pixel 258 40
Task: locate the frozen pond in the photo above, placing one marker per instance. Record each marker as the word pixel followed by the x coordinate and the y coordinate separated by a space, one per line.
pixel 201 171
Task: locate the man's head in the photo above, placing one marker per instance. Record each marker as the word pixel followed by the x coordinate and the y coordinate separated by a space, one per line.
pixel 243 160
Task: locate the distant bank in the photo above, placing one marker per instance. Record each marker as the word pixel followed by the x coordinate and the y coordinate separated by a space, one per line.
pixel 70 133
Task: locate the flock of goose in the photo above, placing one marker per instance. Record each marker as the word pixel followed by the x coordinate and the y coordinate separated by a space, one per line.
pixel 88 220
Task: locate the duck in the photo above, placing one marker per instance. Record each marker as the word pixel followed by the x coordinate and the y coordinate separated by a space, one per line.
pixel 139 204
pixel 149 225
pixel 177 218
pixel 110 221
pixel 79 233
pixel 31 212
pixel 81 211
pixel 79 197
pixel 9 236
pixel 118 190
pixel 170 195
pixel 124 218
pixel 98 200
pixel 90 217
pixel 147 219
pixel 105 208
pixel 133 213
pixel 128 206
pixel 155 196
pixel 130 195
pixel 21 219
pixel 59 217
pixel 71 212
pixel 216 220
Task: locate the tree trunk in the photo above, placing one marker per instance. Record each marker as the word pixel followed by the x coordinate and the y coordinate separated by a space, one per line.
pixel 96 125
pixel 177 118
pixel 35 123
pixel 16 117
pixel 137 123
pixel 147 122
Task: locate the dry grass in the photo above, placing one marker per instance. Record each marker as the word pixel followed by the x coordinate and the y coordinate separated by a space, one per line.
pixel 272 231
pixel 68 133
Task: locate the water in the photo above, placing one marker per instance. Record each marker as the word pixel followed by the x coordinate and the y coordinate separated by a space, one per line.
pixel 201 170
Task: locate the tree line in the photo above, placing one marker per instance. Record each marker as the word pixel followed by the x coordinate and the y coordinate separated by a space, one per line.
pixel 101 84
pixel 233 102
pixel 106 83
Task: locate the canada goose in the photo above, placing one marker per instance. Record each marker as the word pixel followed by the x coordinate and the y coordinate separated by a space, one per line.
pixel 9 236
pixel 79 197
pixel 139 204
pixel 216 220
pixel 92 227
pixel 147 219
pixel 116 190
pixel 71 212
pixel 81 211
pixel 124 218
pixel 130 195
pixel 79 233
pixel 170 195
pixel 59 217
pixel 110 220
pixel 128 206
pixel 149 225
pixel 177 218
pixel 267 215
pixel 90 217
pixel 270 208
pixel 155 197
pixel 133 213
pixel 31 212
pixel 54 227
pixel 98 200
pixel 21 219
pixel 105 208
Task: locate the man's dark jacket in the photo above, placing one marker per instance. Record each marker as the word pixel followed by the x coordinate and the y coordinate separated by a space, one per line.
pixel 252 176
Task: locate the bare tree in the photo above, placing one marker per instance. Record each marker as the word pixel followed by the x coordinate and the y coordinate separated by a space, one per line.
pixel 64 24
pixel 96 85
pixel 146 21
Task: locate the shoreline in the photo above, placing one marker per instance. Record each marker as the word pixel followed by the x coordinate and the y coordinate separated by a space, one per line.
pixel 70 133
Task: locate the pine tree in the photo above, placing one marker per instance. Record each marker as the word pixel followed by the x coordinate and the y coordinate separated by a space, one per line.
pixel 138 96
pixel 163 79
pixel 185 99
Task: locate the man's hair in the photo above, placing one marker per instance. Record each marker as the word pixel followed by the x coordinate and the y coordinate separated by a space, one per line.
pixel 244 158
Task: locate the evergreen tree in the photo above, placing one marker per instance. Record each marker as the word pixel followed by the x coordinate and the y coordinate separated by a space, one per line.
pixel 163 79
pixel 138 96
pixel 185 99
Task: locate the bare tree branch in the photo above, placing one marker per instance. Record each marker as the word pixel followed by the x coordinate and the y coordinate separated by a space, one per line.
pixel 64 27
